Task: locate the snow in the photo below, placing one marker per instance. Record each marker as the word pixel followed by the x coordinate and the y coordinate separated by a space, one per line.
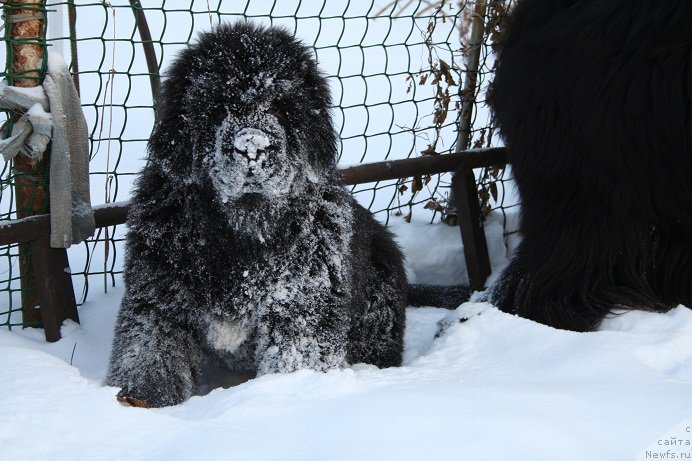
pixel 492 387
pixel 432 250
pixel 251 141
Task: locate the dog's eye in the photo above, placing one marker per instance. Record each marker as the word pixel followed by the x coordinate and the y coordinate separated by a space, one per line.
pixel 219 115
pixel 277 111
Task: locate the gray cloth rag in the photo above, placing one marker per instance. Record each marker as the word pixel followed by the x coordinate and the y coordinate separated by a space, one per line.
pixel 55 115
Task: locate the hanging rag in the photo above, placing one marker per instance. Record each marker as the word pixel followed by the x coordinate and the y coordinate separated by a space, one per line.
pixel 53 112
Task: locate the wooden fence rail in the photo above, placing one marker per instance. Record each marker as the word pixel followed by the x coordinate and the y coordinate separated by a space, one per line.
pixel 54 284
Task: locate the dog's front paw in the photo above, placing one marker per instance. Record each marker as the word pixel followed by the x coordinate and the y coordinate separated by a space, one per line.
pixel 128 401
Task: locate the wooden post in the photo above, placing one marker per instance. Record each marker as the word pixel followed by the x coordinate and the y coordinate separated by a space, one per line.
pixel 28 33
pixel 47 292
pixel 467 93
pixel 464 194
pixel 54 289
pixel 24 20
pixel 471 226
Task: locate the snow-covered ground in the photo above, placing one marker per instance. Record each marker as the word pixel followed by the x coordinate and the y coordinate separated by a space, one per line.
pixel 490 388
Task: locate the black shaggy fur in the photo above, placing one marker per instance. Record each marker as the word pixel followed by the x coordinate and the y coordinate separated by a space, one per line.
pixel 243 246
pixel 594 99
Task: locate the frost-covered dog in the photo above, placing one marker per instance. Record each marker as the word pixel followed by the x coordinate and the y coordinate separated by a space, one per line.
pixel 243 246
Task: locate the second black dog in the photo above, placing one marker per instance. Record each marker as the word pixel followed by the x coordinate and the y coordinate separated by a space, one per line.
pixel 594 99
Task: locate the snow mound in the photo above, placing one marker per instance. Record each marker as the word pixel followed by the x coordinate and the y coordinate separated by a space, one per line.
pixel 493 386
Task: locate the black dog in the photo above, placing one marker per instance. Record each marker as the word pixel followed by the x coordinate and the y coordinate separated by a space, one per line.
pixel 243 246
pixel 594 99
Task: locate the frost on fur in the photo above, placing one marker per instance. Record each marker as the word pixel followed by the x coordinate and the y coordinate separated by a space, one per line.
pixel 243 248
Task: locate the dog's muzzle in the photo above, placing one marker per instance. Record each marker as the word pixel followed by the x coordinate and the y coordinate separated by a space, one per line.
pixel 254 145
pixel 251 142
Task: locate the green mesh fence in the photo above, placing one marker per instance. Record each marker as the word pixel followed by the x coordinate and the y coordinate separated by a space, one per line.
pixel 395 69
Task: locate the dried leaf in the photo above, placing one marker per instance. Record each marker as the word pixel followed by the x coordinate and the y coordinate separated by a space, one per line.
pixel 430 150
pixel 440 116
pixel 434 205
pixel 483 194
pixel 480 141
pixel 493 190
pixel 445 71
pixel 417 184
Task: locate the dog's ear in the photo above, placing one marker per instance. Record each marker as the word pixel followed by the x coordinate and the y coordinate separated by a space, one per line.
pixel 169 145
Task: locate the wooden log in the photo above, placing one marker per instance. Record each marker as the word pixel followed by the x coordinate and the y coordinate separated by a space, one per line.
pixel 36 227
pixel 54 289
pixel 431 164
pixel 24 229
pixel 111 214
pixel 28 33
pixel 27 30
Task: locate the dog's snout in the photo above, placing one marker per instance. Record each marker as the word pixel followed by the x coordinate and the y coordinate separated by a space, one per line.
pixel 251 142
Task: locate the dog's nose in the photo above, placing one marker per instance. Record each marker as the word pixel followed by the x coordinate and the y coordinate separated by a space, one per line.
pixel 251 142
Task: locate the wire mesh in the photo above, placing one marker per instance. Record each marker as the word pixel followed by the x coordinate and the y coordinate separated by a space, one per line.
pixel 387 63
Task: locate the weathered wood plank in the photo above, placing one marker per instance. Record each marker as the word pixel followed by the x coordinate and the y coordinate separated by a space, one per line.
pixel 54 290
pixel 471 227
pixel 432 164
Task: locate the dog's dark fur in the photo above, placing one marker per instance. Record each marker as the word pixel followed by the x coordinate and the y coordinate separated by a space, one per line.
pixel 242 244
pixel 594 99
